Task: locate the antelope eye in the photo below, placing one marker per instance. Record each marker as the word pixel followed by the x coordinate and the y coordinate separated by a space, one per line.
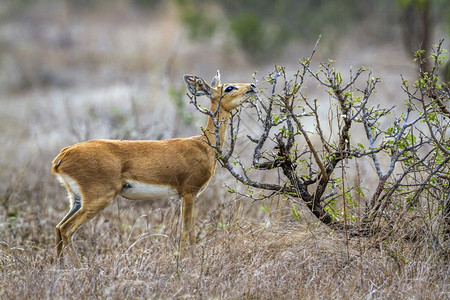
pixel 229 88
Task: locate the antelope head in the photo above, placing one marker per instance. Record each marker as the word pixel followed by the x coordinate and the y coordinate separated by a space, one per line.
pixel 229 96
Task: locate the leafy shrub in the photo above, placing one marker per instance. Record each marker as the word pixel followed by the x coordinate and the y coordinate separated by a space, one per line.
pixel 409 189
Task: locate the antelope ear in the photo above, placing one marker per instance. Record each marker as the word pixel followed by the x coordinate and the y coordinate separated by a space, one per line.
pixel 197 86
pixel 216 80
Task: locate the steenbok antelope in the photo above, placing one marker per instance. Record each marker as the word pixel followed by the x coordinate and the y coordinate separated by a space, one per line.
pixel 95 172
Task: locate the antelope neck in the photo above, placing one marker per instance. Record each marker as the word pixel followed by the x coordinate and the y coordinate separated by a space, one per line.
pixel 210 130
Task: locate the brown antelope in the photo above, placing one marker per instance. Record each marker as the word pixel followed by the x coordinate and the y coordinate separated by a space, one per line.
pixel 95 172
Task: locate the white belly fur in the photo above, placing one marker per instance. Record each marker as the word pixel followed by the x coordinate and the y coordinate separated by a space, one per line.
pixel 144 191
pixel 203 188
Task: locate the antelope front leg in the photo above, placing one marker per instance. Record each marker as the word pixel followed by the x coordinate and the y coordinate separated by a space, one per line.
pixel 188 223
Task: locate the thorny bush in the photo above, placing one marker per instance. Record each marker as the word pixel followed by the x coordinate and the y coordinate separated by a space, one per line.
pixel 405 190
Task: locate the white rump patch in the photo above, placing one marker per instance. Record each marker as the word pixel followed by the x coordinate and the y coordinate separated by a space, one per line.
pixel 135 190
pixel 74 188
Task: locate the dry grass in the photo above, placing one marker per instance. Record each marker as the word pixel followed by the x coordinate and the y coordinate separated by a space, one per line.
pixel 58 96
pixel 243 259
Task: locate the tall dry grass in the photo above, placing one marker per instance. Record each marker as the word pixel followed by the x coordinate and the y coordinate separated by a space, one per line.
pixel 136 259
pixel 104 74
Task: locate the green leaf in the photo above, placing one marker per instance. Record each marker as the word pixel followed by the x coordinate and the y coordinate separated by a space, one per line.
pixel 338 78
pixel 264 208
pixel 295 213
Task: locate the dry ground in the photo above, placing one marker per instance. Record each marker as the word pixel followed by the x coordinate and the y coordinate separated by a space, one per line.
pixel 243 259
pixel 69 78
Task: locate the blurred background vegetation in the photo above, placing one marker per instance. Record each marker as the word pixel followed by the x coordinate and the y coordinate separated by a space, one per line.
pixel 263 27
pixel 258 32
pixel 46 42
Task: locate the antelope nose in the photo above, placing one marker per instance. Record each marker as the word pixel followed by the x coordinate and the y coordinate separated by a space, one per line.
pixel 252 89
